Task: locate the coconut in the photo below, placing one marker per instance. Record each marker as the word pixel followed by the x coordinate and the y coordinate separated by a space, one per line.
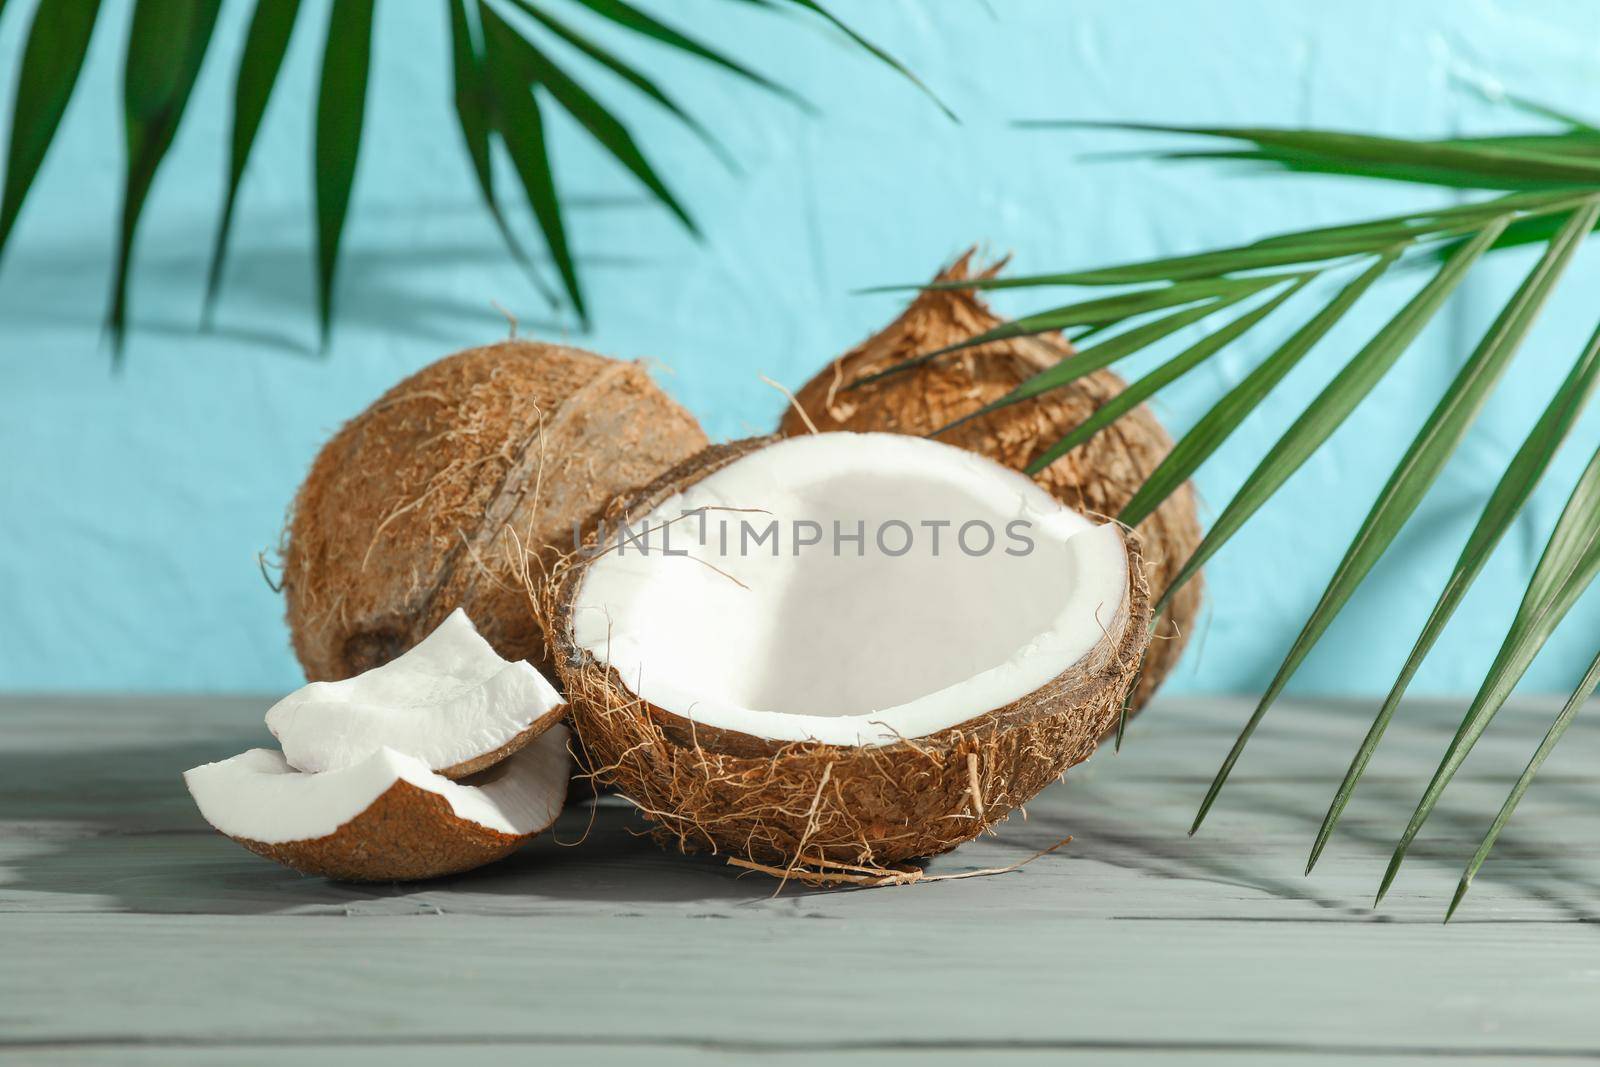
pixel 387 817
pixel 845 648
pixel 455 485
pixel 1098 477
pixel 449 701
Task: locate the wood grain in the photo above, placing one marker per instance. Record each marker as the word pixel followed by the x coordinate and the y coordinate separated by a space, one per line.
pixel 131 933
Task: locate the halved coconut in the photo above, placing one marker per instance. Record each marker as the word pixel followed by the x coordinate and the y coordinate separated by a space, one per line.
pixel 854 647
pixel 450 701
pixel 386 818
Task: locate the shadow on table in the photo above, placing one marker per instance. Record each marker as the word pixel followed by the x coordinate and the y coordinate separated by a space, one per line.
pixel 118 831
pixel 115 830
pixel 1540 869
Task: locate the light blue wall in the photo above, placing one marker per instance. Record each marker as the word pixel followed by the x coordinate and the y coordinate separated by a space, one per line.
pixel 133 503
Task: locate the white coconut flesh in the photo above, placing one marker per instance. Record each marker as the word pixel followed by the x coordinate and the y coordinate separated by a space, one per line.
pixel 791 641
pixel 448 700
pixel 257 795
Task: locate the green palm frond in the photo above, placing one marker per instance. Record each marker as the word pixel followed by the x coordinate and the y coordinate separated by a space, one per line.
pixel 1541 189
pixel 166 44
pixel 265 44
pixel 510 60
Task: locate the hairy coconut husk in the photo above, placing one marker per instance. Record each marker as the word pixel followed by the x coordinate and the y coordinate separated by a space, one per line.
pixel 1099 477
pixel 407 834
pixel 794 804
pixel 454 486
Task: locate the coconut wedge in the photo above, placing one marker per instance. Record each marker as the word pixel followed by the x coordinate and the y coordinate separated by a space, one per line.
pixel 386 818
pixel 451 701
pixel 858 648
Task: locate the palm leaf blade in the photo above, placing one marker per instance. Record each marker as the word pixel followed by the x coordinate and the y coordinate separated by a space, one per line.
pixel 1432 448
pixel 522 127
pixel 167 42
pixel 58 38
pixel 266 42
pixel 1522 475
pixel 1569 711
pixel 627 15
pixel 1207 435
pixel 1139 391
pixel 341 112
pixel 1335 403
pixel 474 107
pixel 627 73
pixel 1570 563
pixel 1101 311
pixel 593 116
pixel 1458 158
pixel 1094 358
pixel 878 53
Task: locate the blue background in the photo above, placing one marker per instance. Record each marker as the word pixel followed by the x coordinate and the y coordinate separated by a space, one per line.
pixel 133 502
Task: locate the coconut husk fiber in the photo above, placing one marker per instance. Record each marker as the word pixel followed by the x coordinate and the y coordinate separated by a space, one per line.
pixel 1098 477
pixel 790 804
pixel 406 834
pixel 457 483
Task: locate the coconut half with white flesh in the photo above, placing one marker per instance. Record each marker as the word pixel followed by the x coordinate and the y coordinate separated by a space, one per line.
pixel 450 701
pixel 858 648
pixel 386 817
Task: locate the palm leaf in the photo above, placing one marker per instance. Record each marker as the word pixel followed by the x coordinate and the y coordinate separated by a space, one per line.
pixel 265 44
pixel 601 124
pixel 166 44
pixel 882 56
pixel 1225 416
pixel 1212 293
pixel 1516 485
pixel 627 15
pixel 1493 166
pixel 1139 391
pixel 341 111
pixel 58 37
pixel 1421 465
pixel 1097 357
pixel 474 107
pixel 1570 563
pixel 1569 711
pixel 1333 405
pixel 627 73
pixel 522 126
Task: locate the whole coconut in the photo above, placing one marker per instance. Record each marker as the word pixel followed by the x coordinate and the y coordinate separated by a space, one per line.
pixel 473 474
pixel 1099 476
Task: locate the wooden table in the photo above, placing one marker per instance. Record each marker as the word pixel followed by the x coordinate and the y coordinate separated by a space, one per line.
pixel 131 933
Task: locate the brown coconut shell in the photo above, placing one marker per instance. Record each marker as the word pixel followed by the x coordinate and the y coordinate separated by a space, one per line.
pixel 785 803
pixel 406 834
pixel 455 487
pixel 1099 477
pixel 483 761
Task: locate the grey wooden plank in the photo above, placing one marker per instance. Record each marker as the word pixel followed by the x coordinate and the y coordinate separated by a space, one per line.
pixel 582 1054
pixel 989 980
pixel 126 925
pixel 94 817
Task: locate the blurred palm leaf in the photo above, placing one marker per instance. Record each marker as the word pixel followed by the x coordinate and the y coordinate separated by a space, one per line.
pixel 1544 188
pixel 510 59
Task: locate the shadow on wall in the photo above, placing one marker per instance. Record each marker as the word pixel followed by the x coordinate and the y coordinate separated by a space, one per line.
pixel 424 284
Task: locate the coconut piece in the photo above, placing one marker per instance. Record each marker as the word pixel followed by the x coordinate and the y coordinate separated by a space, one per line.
pixel 459 483
pixel 386 818
pixel 1098 477
pixel 450 701
pixel 798 701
